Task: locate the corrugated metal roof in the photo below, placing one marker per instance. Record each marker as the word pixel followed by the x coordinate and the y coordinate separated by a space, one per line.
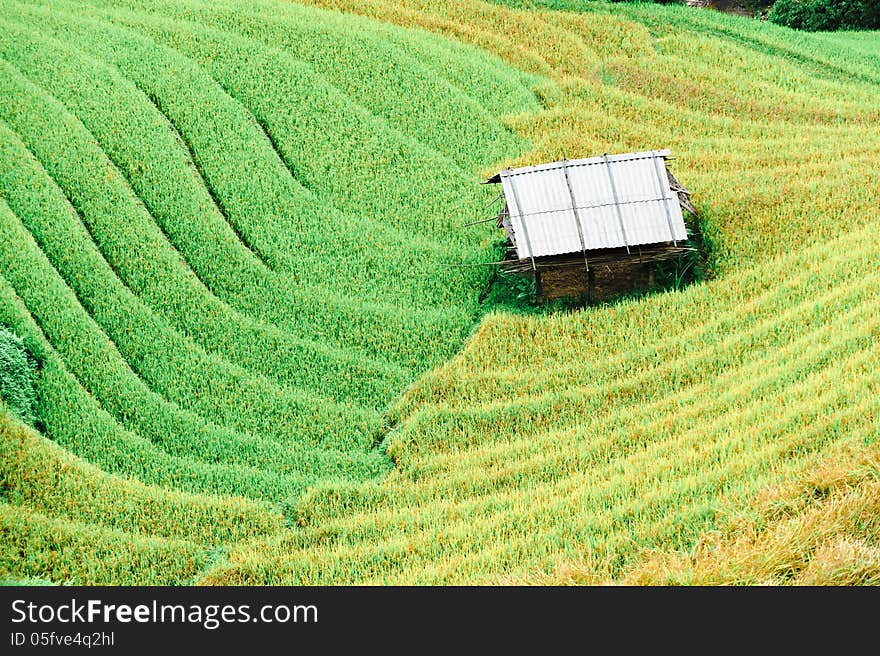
pixel 586 204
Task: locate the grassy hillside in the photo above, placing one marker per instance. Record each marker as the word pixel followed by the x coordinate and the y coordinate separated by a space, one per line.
pixel 230 246
pixel 254 337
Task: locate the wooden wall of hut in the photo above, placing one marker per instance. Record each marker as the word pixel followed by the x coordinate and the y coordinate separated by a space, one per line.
pixel 602 282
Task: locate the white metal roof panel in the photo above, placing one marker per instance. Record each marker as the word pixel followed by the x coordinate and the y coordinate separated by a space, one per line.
pixel 587 204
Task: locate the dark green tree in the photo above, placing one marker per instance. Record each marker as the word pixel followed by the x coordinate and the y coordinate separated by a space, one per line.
pixel 826 15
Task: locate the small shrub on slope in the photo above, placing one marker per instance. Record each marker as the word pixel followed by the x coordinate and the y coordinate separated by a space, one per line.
pixel 826 15
pixel 17 371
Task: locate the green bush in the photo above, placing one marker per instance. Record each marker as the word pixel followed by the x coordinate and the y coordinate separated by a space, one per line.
pixel 17 369
pixel 826 15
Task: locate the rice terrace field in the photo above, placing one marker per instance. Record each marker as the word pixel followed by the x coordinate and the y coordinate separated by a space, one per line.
pixel 232 238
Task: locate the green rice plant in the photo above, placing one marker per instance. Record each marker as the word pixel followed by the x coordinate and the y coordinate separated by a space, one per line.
pixel 324 149
pixel 273 410
pixel 24 581
pixel 497 529
pixel 182 299
pixel 53 550
pixel 271 214
pixel 632 348
pixel 754 333
pixel 41 476
pixel 541 43
pixel 297 178
pixel 866 44
pixel 73 418
pixel 808 50
pixel 414 98
pixel 101 366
